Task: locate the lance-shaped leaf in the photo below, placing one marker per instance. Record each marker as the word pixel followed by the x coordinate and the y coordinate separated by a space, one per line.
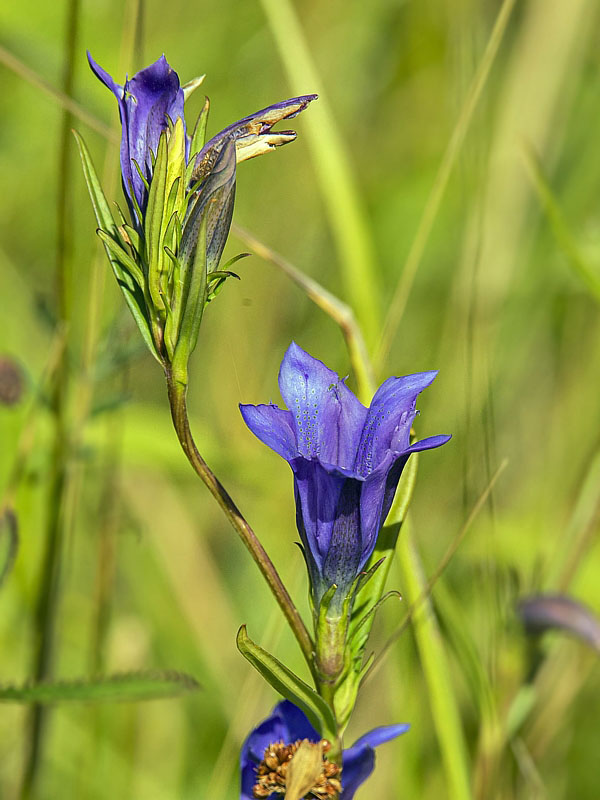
pixel 132 293
pixel 187 317
pixel 198 139
pixel 289 685
pixel 154 224
pixel 129 687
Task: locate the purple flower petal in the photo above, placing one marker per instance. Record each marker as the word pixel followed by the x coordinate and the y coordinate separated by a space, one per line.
pixel 377 736
pixel 359 760
pixel 389 419
pixel 328 418
pixel 429 443
pixel 273 426
pixel 317 494
pixel 146 102
pixel 376 500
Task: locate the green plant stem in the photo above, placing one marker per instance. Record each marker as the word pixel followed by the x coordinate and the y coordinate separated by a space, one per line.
pixel 177 400
pixel 433 659
pixel 47 599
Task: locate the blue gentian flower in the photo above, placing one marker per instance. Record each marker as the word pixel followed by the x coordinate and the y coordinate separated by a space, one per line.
pixel 346 460
pixel 273 743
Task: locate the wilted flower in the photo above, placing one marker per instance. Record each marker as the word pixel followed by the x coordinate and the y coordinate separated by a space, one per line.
pixel 180 192
pixel 346 459
pixel 269 749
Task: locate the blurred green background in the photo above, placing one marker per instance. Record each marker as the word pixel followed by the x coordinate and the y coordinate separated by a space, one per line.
pixel 454 154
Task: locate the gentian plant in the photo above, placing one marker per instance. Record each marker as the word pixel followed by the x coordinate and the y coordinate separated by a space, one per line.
pixel 180 192
pixel 346 459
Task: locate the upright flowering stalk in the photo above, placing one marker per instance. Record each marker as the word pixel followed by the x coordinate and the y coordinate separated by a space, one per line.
pixel 180 193
pixel 346 461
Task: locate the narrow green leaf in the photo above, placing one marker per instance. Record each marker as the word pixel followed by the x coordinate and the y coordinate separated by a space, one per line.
pixel 289 685
pixel 153 225
pixel 134 298
pixel 128 687
pixel 135 239
pixel 192 305
pixel 101 208
pixel 198 139
pixel 432 653
pixel 232 261
pixel 190 87
pixel 560 228
pixel 122 256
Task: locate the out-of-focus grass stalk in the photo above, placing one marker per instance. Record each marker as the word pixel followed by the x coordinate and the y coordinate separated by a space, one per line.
pixel 433 658
pixel 444 561
pixel 339 311
pixel 560 228
pixel 62 97
pixel 337 182
pixel 47 599
pixel 415 254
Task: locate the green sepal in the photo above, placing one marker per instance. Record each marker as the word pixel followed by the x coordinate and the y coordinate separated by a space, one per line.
pixel 133 297
pixel 198 139
pixel 188 316
pixel 143 178
pixel 153 225
pixel 134 239
pixel 190 87
pixel 126 687
pixel 233 260
pixel 289 685
pixel 125 260
pixel 216 281
pixel 360 623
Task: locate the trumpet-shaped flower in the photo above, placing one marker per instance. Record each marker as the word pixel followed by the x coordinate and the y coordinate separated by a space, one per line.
pixel 268 752
pixel 346 460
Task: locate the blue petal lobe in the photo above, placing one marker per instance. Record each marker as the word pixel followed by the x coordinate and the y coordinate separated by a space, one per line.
pixel 389 419
pixel 357 765
pixel 328 418
pixel 429 443
pixel 359 760
pixel 106 79
pixel 380 735
pixel 273 426
pixel 151 96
